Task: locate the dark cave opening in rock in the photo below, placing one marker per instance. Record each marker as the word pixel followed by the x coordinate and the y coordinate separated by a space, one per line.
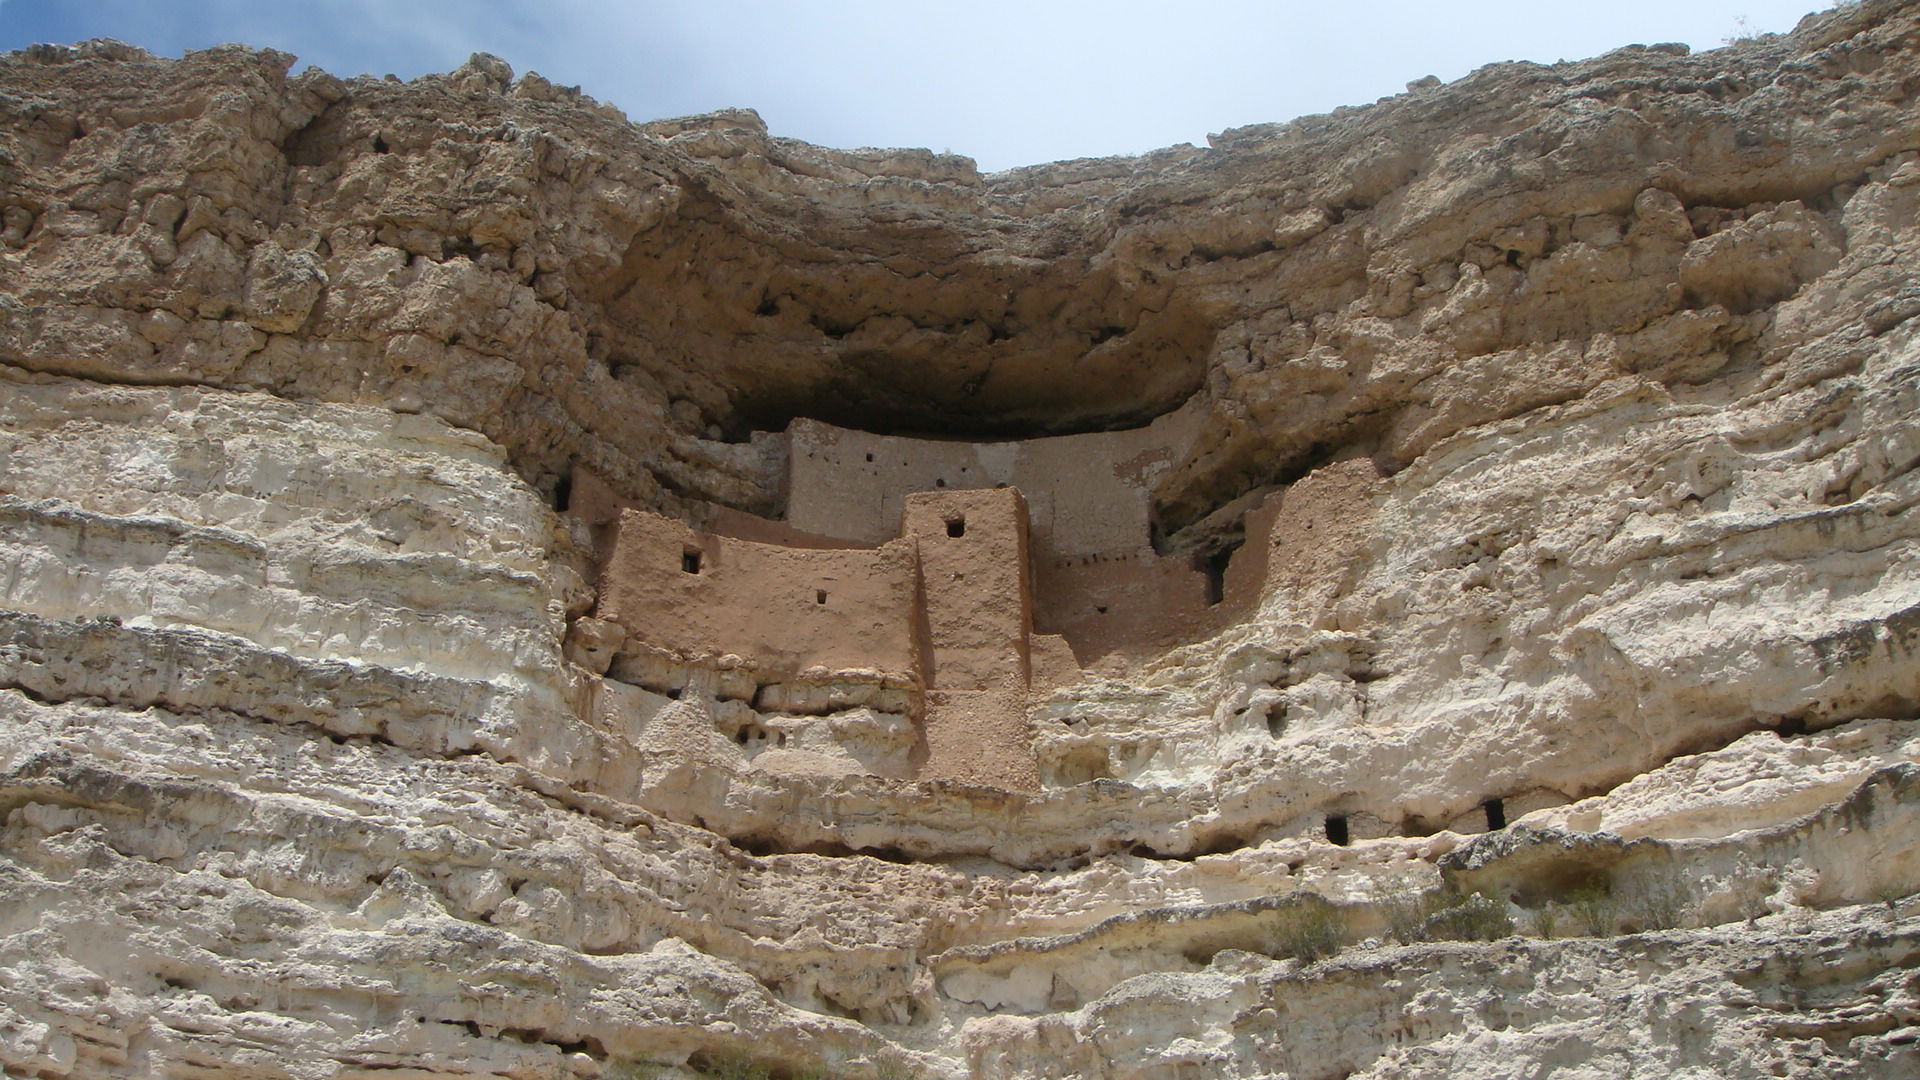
pixel 1337 833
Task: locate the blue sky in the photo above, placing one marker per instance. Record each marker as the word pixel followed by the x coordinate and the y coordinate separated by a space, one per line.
pixel 1006 83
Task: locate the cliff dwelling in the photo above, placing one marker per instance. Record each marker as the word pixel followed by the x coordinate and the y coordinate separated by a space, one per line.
pixel 494 588
pixel 944 580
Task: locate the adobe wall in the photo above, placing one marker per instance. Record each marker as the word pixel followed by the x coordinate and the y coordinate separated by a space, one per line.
pixel 783 609
pixel 980 737
pixel 973 574
pixel 1319 527
pixel 1086 494
pixel 1103 605
pixel 957 606
pixel 740 525
pixel 981 597
pixel 591 500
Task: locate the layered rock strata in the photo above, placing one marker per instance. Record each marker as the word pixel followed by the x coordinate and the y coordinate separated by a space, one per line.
pixel 1568 731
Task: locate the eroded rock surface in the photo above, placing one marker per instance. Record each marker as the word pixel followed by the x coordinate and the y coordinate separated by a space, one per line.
pixel 1569 732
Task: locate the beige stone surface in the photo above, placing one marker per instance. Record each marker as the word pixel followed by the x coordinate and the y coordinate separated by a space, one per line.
pixel 1564 418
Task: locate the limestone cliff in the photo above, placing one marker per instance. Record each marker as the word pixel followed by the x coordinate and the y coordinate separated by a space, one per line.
pixel 1569 415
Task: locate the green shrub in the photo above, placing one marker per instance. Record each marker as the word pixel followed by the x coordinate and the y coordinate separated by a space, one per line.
pixel 1307 931
pixel 1407 917
pixel 1546 921
pixel 1445 915
pixel 1478 917
pixel 1594 911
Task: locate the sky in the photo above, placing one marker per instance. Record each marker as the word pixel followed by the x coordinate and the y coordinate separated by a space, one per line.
pixel 1006 83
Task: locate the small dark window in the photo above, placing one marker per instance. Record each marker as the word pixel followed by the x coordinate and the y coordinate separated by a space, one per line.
pixel 1337 830
pixel 819 596
pixel 1101 608
pixel 869 457
pixel 939 483
pixel 1496 814
pixel 690 560
pixel 957 526
pixel 562 493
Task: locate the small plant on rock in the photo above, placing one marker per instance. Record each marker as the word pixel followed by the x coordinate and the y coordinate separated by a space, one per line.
pixel 1546 921
pixel 1477 917
pixel 1448 916
pixel 1308 931
pixel 1661 903
pixel 1594 911
pixel 1409 918
pixel 734 1066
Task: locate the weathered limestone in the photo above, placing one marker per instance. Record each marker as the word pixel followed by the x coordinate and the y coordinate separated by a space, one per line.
pixel 1556 718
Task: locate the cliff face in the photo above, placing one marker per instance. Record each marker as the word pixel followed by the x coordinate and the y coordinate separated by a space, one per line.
pixel 1570 734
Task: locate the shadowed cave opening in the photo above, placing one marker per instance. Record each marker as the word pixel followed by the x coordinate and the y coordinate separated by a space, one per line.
pixel 1337 833
pixel 1042 382
pixel 1213 564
